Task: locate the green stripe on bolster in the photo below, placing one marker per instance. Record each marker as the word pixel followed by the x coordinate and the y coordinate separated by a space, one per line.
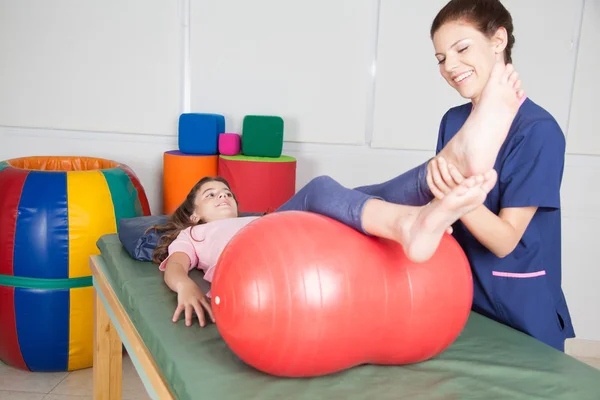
pixel 122 193
pixel 259 159
pixel 4 165
pixel 37 283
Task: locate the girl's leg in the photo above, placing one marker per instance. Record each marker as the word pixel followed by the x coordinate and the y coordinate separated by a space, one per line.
pixel 323 195
pixel 409 188
pixel 418 229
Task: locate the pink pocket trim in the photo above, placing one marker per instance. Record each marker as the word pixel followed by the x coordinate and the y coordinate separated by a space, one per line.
pixel 519 275
pixel 523 100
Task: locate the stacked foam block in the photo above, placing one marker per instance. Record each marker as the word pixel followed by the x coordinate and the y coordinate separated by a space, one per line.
pixel 252 162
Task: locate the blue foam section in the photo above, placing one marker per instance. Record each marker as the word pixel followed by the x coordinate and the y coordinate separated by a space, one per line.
pixel 199 133
pixel 42 232
pixel 42 319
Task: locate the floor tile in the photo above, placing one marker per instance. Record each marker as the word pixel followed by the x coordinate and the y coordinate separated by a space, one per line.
pixel 80 383
pixel 582 348
pixel 4 395
pixel 594 362
pixel 12 379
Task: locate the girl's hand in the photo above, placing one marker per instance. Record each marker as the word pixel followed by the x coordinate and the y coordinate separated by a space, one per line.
pixel 442 177
pixel 191 299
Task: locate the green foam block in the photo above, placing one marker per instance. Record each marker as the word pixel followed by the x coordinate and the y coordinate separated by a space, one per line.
pixel 262 136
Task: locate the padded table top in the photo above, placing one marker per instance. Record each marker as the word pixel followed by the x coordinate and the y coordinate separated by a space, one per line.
pixel 487 361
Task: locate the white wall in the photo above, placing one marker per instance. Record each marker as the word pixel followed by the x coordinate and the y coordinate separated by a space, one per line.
pixel 89 82
pixel 105 65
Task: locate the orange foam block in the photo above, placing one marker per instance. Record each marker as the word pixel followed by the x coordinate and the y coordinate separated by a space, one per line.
pixel 181 172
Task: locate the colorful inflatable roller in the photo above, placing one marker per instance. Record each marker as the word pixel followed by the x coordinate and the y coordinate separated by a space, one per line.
pixel 52 212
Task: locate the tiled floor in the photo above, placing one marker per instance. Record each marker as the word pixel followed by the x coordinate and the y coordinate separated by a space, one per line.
pixel 77 385
pixel 594 362
pixel 21 385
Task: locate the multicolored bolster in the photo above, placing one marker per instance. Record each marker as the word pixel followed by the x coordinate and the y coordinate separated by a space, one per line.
pixel 47 323
pixel 53 210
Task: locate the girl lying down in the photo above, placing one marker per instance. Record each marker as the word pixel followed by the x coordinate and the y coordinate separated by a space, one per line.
pixel 201 227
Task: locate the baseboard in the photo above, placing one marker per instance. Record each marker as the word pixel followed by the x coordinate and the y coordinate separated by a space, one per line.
pixel 582 348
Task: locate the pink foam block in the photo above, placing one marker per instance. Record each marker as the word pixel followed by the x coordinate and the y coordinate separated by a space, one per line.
pixel 229 144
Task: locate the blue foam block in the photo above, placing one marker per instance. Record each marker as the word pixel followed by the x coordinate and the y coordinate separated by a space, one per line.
pixel 199 133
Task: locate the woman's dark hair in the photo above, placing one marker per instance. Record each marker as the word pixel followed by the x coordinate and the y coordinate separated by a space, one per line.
pixel 486 15
pixel 180 219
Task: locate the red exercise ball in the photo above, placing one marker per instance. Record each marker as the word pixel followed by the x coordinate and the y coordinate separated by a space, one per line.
pixel 297 294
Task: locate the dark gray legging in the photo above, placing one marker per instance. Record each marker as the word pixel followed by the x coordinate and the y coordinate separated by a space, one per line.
pixel 325 196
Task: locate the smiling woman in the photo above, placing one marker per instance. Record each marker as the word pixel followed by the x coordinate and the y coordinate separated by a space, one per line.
pixel 513 241
pixel 468 38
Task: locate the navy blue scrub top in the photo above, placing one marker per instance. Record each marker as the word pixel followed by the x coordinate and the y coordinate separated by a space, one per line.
pixel 523 289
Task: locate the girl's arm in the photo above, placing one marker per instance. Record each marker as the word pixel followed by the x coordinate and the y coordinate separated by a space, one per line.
pixel 189 296
pixel 501 233
pixel 176 271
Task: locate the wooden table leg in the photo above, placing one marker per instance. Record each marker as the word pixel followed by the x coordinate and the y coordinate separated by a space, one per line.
pixel 108 355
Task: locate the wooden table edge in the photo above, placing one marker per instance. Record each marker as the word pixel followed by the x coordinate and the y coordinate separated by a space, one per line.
pixel 112 329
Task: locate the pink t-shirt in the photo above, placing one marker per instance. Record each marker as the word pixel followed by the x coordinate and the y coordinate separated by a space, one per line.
pixel 204 243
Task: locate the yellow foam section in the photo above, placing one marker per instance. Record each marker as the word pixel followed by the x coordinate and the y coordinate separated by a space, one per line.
pixel 91 215
pixel 81 328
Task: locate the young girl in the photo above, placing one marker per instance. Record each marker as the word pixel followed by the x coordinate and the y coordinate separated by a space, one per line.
pixel 199 230
pixel 201 227
pixel 513 241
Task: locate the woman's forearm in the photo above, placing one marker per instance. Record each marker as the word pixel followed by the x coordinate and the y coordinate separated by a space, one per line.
pixel 497 235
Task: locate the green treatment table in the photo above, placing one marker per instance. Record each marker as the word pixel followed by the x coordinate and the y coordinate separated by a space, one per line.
pixel 134 307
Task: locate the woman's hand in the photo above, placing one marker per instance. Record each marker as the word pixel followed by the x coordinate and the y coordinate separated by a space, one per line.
pixel 191 299
pixel 442 177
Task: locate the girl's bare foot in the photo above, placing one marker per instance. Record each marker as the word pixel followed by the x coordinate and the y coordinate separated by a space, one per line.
pixel 475 147
pixel 421 229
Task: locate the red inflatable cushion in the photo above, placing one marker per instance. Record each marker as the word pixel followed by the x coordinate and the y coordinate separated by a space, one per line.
pixel 297 294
